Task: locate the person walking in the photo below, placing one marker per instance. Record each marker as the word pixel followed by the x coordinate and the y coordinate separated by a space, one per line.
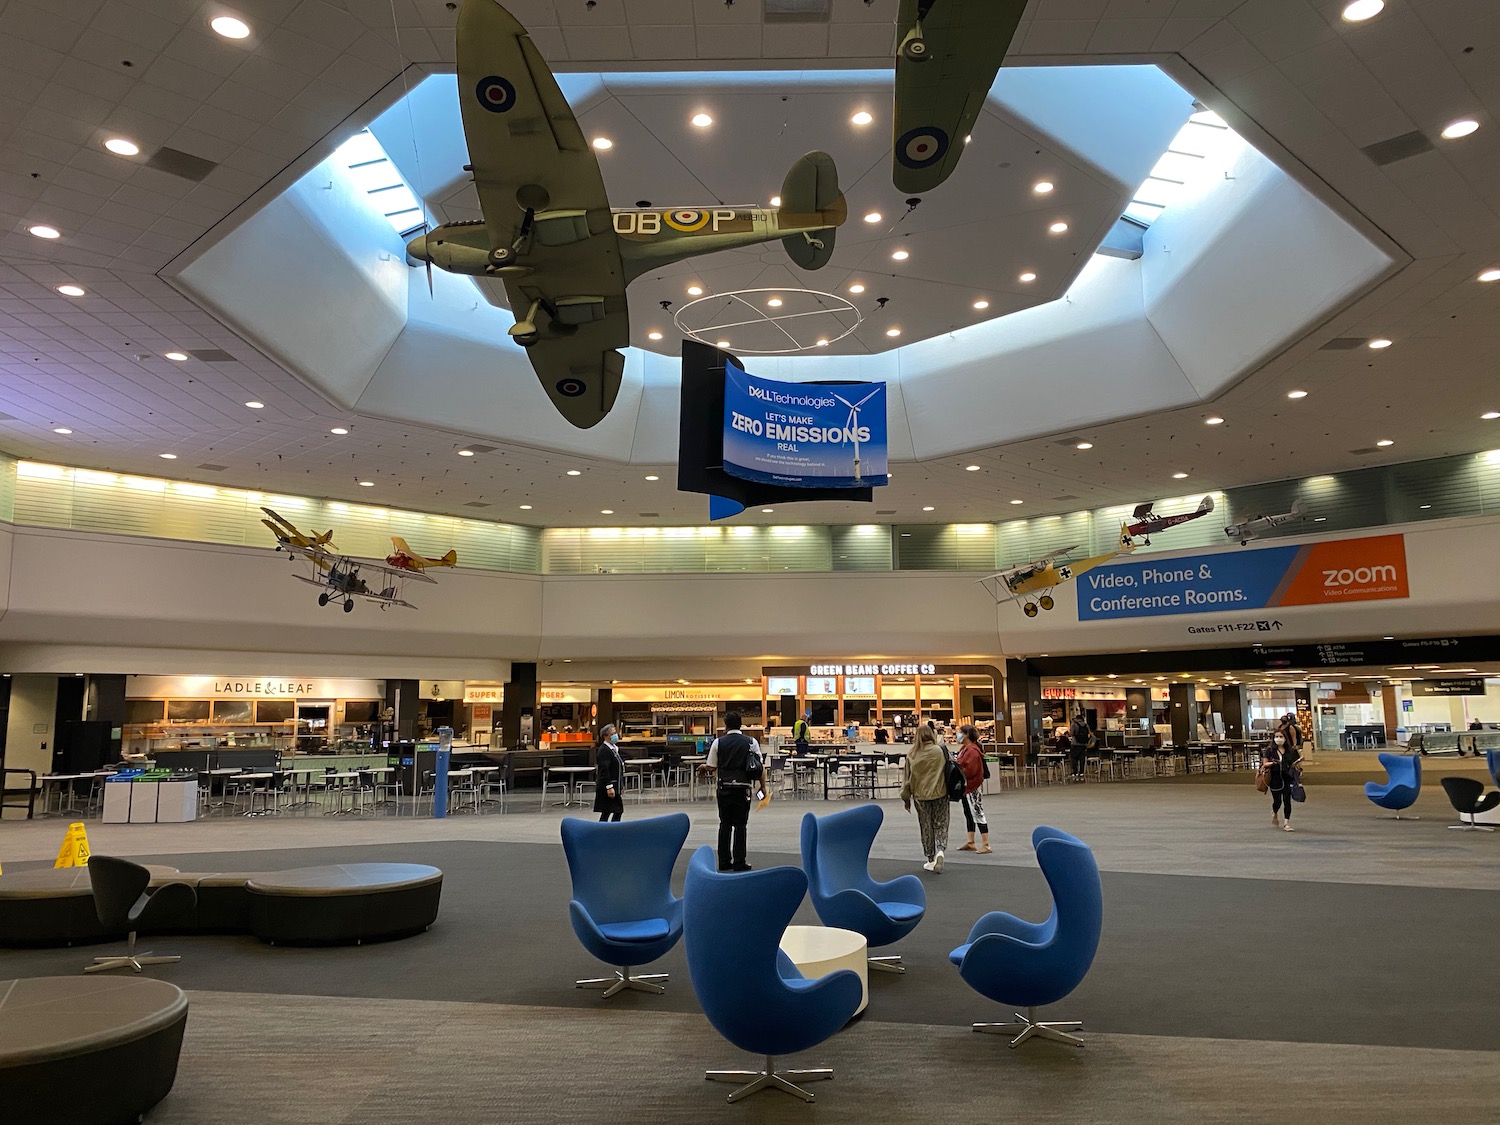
pixel 800 733
pixel 734 757
pixel 1282 757
pixel 922 782
pixel 609 775
pixel 971 761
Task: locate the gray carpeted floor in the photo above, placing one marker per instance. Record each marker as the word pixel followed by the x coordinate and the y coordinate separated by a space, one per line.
pixel 1189 956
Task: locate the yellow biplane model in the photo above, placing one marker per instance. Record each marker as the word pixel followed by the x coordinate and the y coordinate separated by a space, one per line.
pixel 290 539
pixel 404 558
pixel 549 234
pixel 1021 583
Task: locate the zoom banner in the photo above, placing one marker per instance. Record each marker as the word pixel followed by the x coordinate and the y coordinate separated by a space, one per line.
pixel 803 435
pixel 1343 570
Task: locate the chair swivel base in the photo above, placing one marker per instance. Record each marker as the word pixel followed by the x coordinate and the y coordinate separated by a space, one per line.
pixel 623 980
pixel 1398 816
pixel 770 1079
pixel 103 964
pixel 889 964
pixel 1471 826
pixel 1029 1027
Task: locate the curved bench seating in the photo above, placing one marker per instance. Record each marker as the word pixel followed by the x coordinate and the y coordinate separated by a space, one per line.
pixel 349 902
pixel 88 1050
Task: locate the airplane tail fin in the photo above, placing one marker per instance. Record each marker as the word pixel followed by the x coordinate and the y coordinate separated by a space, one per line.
pixel 1298 507
pixel 450 559
pixel 323 537
pixel 1127 544
pixel 811 188
pixel 1206 504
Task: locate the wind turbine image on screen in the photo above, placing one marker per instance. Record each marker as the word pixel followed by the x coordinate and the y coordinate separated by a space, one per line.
pixel 852 426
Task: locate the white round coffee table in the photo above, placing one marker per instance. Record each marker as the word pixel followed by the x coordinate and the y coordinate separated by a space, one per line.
pixel 819 950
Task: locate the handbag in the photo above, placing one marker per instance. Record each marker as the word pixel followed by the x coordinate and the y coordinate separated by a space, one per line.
pixel 1299 794
pixel 1263 779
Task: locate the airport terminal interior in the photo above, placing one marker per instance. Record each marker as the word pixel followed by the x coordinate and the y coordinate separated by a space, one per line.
pixel 555 549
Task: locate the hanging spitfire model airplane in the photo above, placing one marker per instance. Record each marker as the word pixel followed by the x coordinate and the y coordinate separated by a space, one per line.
pixel 945 65
pixel 1148 524
pixel 549 233
pixel 1021 583
pixel 1246 530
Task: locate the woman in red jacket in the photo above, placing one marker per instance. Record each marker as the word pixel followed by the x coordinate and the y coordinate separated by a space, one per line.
pixel 971 759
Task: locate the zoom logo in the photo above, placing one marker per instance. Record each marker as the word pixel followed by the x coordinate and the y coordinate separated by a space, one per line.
pixel 1359 576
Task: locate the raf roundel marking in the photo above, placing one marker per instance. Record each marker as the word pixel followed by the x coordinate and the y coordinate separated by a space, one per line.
pixel 571 388
pixel 495 94
pixel 686 220
pixel 921 147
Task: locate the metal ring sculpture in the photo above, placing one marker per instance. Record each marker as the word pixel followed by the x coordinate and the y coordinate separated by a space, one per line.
pixel 796 319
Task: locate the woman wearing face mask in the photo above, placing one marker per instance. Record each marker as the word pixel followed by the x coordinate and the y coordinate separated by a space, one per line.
pixel 1282 757
pixel 609 775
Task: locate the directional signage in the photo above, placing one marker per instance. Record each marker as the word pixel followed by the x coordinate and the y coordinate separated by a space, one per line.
pixel 1341 570
pixel 1470 685
pixel 804 435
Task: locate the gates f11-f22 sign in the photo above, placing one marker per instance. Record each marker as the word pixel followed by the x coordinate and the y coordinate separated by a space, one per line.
pixel 1343 570
pixel 804 435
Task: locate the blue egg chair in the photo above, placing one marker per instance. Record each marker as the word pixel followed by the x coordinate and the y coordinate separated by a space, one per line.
pixel 1030 964
pixel 750 990
pixel 1492 759
pixel 1403 784
pixel 623 909
pixel 835 856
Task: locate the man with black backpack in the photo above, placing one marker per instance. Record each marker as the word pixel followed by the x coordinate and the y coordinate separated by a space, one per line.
pixel 735 759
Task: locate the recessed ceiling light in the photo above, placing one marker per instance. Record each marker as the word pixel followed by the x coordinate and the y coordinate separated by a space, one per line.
pixel 1058 228
pixel 893 331
pixel 1320 519
pixel 1424 507
pixel 721 343
pixel 525 507
pixel 652 476
pixel 767 511
pixel 775 201
pixel 1296 394
pixel 340 430
pixel 176 357
pixel 70 290
pixel 61 430
pixel 1360 10
pixel 1042 187
pixel 254 405
pixel 702 120
pixel 929 508
pixel 653 335
pixel 229 27
pixel 121 147
pixel 606 511
pixel 1028 276
pixel 1490 415
pixel 900 255
pixel 1018 501
pixel 1460 128
pixel 856 288
pixel 1179 476
pixel 602 143
pixel 981 304
pixel 862 118
pixel 774 302
pixel 1385 441
pixel 366 484
pixel 466 453
pixel 167 456
pixel 41 230
pixel 575 473
pixel 1213 420
pixel 1084 445
pixel 872 216
pixel 821 344
pixel 971 468
pixel 1379 342
pixel 695 290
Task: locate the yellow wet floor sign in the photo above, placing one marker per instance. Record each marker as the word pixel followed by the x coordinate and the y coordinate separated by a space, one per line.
pixel 75 847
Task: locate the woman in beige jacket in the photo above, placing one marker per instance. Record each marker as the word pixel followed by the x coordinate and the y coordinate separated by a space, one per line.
pixel 922 781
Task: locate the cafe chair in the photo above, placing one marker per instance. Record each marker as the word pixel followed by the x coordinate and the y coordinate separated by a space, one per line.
pixel 1468 798
pixel 623 909
pixel 750 991
pixel 1403 784
pixel 835 857
pixel 121 902
pixel 1030 964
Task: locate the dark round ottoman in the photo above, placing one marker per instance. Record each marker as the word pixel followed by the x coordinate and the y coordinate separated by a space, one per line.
pixel 347 902
pixel 87 1050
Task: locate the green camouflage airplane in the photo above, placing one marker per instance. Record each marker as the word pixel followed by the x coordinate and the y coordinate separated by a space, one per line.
pixel 550 235
pixel 945 66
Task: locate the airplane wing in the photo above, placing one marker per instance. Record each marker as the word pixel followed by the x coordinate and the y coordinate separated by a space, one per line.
pixel 527 151
pixel 939 98
pixel 1143 511
pixel 316 555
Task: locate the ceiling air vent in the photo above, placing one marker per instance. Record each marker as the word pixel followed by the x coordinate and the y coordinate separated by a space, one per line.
pixel 649 515
pixel 1344 344
pixel 213 468
pixel 481 448
pixel 892 512
pixel 1065 498
pixel 1397 148
pixel 1069 441
pixel 211 355
pixel 476 504
pixel 1364 451
pixel 796 11
pixel 180 163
